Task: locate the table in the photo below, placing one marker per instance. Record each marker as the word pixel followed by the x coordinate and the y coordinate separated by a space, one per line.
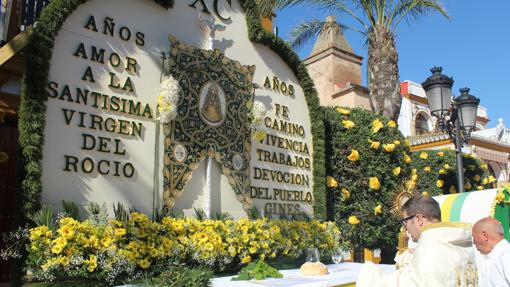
pixel 340 275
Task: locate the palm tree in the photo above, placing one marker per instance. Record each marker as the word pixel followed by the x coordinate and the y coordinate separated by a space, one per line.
pixel 378 21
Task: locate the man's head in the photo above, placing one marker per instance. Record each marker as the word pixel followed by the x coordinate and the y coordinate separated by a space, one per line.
pixel 418 212
pixel 487 232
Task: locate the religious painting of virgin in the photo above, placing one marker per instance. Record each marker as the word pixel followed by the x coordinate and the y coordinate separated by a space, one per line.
pixel 212 104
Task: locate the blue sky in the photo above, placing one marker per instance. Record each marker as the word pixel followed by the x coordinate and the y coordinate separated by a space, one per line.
pixel 473 47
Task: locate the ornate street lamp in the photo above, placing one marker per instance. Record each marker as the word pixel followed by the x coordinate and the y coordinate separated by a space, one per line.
pixel 457 117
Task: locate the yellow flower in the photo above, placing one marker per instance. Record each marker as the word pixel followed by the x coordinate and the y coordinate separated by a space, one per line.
pixel 440 183
pixel 378 209
pixel 345 193
pixel 484 166
pixel 424 155
pixel 396 142
pixel 396 171
pixel 392 124
pixel 427 169
pixel 389 147
pixel 500 197
pixel 414 171
pixel 425 193
pixel 410 184
pixel 414 177
pixel 343 111
pixel 354 156
pixel 377 125
pixel 453 189
pixel 374 183
pixel 246 259
pixel 467 186
pixel 479 187
pixel 442 171
pixel 407 159
pixel 491 179
pixel 331 182
pixel 375 145
pixel 353 220
pixel 440 153
pixel 259 135
pixel 348 124
pixel 408 142
pixel 446 166
pixel 144 263
pixel 477 178
pixel 485 180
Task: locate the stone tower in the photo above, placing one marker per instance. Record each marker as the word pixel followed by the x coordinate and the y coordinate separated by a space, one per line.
pixel 336 70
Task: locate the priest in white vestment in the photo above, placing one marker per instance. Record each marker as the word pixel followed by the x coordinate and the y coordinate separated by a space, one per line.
pixel 444 255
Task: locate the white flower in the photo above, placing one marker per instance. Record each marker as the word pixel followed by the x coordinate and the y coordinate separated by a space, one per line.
pixel 168 98
pixel 258 113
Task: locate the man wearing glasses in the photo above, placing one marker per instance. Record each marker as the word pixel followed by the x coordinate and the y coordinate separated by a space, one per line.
pixel 443 256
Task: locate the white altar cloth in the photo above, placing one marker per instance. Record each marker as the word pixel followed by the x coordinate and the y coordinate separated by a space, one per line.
pixel 343 274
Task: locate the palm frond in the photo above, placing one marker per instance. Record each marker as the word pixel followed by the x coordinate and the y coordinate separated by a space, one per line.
pixel 413 10
pixel 335 7
pixel 309 30
pixel 120 212
pixel 44 216
pixel 71 209
pixel 200 213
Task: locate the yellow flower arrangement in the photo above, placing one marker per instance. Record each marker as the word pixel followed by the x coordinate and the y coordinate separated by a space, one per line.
pixel 424 155
pixel 353 220
pixel 392 124
pixel 343 111
pixel 389 147
pixel 141 242
pixel 374 183
pixel 348 124
pixel 354 156
pixel 331 182
pixel 377 125
pixel 396 171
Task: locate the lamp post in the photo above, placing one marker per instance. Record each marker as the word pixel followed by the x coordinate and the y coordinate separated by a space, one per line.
pixel 456 117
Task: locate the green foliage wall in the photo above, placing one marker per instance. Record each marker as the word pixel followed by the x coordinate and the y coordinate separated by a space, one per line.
pixel 436 172
pixel 362 211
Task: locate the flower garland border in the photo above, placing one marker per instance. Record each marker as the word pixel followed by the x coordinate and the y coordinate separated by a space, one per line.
pixel 34 96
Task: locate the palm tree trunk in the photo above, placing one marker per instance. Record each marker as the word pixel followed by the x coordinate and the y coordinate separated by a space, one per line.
pixel 383 77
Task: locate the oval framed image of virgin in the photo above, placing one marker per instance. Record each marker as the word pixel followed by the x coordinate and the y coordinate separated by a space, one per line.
pixel 212 106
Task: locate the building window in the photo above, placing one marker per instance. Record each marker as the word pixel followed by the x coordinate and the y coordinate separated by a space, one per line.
pixel 421 125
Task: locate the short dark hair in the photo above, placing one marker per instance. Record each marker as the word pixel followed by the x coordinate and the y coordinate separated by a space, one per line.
pixel 425 205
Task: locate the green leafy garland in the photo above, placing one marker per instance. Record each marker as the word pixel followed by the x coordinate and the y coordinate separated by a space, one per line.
pixel 34 96
pixel 436 172
pixel 366 167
